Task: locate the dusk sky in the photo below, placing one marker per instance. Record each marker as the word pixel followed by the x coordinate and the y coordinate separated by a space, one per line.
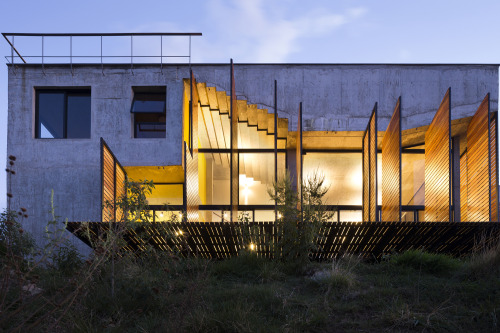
pixel 255 31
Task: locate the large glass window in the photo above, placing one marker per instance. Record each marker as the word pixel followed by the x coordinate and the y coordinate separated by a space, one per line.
pixel 149 110
pixel 257 177
pixel 62 114
pixel 342 173
pixel 413 178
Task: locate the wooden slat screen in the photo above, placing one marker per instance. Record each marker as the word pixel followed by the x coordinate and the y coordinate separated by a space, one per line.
pixel 218 240
pixel 366 175
pixel 113 188
pixel 478 177
pixel 121 191
pixel 438 165
pixel 299 156
pixel 235 186
pixel 370 169
pixel 493 168
pixel 463 187
pixel 391 168
pixel 192 199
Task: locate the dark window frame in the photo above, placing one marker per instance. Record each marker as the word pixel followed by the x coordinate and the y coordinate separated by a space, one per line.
pixel 143 91
pixel 66 93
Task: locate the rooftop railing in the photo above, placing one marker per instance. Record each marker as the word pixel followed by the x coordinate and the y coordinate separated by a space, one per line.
pixel 99 48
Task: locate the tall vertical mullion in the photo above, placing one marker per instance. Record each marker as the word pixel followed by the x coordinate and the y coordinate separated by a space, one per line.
pixel 275 146
pixel 438 179
pixel 489 161
pixel 234 163
pixel 366 175
pixel 299 156
pixel 102 177
pixel 374 161
pixel 114 190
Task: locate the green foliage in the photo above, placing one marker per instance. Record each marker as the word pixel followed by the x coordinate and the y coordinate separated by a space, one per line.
pixel 484 263
pixel 67 259
pixel 340 275
pixel 13 238
pixel 427 262
pixel 298 220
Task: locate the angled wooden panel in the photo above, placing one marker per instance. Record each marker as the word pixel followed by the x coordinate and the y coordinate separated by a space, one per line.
pixel 192 199
pixel 299 156
pixel 121 190
pixel 113 188
pixel 370 169
pixel 463 187
pixel 493 168
pixel 391 168
pixel 478 165
pixel 234 169
pixel 438 165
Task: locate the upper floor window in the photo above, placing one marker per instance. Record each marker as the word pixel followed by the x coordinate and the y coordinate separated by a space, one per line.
pixel 61 114
pixel 149 110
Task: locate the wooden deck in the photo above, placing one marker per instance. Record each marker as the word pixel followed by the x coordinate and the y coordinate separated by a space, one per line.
pixel 368 239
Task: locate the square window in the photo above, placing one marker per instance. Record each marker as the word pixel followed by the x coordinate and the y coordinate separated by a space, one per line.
pixel 149 109
pixel 62 114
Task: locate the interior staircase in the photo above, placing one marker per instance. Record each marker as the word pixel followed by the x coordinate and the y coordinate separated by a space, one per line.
pixel 255 131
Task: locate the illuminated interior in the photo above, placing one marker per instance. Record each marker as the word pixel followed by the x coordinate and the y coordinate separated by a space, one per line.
pixel 204 179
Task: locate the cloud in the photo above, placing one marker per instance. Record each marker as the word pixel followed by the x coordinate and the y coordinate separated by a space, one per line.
pixel 251 31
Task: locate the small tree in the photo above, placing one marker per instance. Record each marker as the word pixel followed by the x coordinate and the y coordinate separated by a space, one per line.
pixel 297 225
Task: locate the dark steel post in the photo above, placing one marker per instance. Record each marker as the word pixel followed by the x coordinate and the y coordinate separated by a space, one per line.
pixel 102 66
pixel 275 147
pixel 71 53
pixel 132 55
pixel 43 67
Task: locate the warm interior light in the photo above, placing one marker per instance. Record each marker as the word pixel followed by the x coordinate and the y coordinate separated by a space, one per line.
pixel 279 215
pixel 252 246
pixel 225 215
pixel 178 233
pixel 161 214
pixel 246 183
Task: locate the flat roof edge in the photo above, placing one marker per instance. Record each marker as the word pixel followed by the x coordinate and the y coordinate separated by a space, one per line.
pixel 249 64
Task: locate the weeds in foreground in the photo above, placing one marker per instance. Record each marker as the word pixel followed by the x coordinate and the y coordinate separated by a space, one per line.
pixel 426 262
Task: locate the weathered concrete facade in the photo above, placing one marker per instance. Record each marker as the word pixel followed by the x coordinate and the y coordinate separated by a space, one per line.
pixel 334 97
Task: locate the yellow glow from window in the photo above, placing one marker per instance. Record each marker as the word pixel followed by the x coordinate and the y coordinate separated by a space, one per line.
pixel 252 246
pixel 246 183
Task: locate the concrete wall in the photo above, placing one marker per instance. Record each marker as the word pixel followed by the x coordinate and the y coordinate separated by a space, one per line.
pixel 335 97
pixel 341 97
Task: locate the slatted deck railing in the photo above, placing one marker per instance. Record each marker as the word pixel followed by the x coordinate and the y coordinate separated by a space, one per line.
pixel 218 240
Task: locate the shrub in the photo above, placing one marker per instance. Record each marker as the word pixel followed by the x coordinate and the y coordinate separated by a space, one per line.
pixel 485 263
pixel 299 218
pixel 427 262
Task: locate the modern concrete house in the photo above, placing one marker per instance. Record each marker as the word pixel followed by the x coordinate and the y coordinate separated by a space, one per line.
pixel 394 142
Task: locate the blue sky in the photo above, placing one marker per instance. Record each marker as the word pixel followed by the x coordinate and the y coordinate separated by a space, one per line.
pixel 342 31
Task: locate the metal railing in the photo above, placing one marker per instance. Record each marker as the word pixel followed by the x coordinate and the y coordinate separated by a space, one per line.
pixel 42 57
